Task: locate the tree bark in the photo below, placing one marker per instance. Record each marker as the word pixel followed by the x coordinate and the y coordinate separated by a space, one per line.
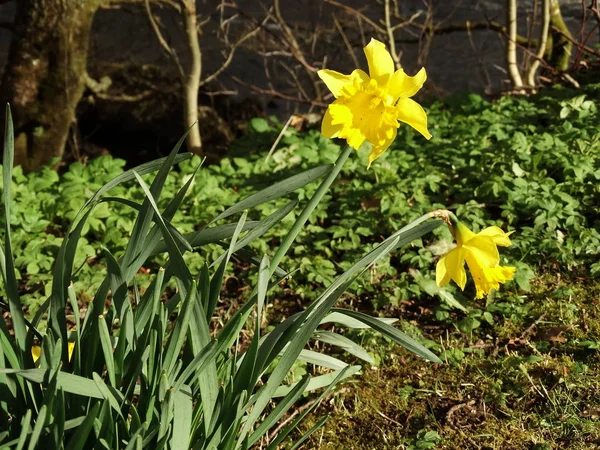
pixel 44 77
pixel 511 45
pixel 559 46
pixel 542 43
pixel 191 83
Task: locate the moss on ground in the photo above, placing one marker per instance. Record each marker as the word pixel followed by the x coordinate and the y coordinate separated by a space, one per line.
pixel 530 381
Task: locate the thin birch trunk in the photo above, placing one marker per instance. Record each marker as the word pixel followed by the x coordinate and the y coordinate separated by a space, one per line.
pixel 542 43
pixel 511 45
pixel 192 80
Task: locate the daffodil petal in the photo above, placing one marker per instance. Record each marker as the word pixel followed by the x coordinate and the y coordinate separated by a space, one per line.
pixel 401 85
pixel 328 128
pixel 451 266
pixel 462 233
pixel 380 149
pixel 335 81
pixel 482 283
pixel 488 278
pixel 411 113
pixel 381 64
pixel 36 351
pixel 499 237
pixel 483 249
pixel 70 347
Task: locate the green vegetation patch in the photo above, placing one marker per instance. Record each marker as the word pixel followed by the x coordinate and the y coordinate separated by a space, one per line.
pixel 527 386
pixel 522 366
pixel 530 165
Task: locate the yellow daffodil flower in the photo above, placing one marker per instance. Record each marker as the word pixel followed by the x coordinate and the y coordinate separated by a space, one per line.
pixel 36 351
pixel 480 251
pixel 368 107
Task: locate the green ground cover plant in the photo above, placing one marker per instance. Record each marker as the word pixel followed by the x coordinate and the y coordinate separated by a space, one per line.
pixel 526 164
pixel 529 164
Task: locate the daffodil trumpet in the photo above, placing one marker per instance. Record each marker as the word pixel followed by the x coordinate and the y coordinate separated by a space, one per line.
pixel 371 107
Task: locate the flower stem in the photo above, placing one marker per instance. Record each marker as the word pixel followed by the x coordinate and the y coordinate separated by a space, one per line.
pixel 309 208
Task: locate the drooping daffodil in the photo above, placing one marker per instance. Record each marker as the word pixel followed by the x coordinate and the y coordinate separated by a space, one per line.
pixel 370 107
pixel 480 251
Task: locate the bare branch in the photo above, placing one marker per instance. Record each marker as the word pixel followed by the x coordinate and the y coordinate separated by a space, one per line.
pixel 356 12
pixel 337 24
pixel 290 38
pixel 119 4
pixel 584 47
pixel 274 93
pixel 232 51
pixel 594 8
pixel 161 39
pixel 390 34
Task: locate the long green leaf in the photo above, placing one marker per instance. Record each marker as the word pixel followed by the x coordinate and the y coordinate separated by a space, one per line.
pixel 182 418
pixel 80 436
pixel 281 435
pixel 393 333
pixel 310 432
pixel 107 350
pixel 178 334
pixel 37 428
pixel 276 190
pixel 180 266
pixel 127 176
pixel 114 397
pixel 321 360
pixel 309 208
pixel 137 242
pixel 344 343
pixel 25 430
pixel 217 280
pixel 8 265
pixel 291 397
pixel 320 381
pixel 261 228
pixel 342 319
pixel 305 328
pixel 68 382
pixel 207 235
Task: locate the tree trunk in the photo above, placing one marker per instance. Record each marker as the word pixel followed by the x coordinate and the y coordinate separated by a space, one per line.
pixel 559 45
pixel 511 45
pixel 44 77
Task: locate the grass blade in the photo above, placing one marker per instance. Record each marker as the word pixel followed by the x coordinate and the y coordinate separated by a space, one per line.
pixel 37 428
pixel 282 407
pixel 68 382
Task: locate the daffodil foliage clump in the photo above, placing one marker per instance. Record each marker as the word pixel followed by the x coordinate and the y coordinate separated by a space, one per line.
pixel 149 367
